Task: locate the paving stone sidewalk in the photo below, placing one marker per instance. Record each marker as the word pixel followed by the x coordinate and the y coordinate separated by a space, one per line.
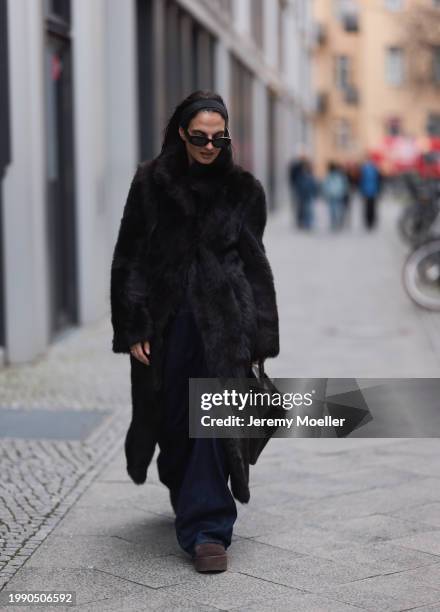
pixel 332 525
pixel 60 419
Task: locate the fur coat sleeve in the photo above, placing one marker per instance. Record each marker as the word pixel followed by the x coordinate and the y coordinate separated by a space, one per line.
pixel 130 317
pixel 259 274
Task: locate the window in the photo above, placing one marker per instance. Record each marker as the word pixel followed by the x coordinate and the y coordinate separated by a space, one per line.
pixel 394 66
pixel 342 134
pixel 393 126
pixel 342 8
pixel 58 8
pixel 342 71
pixel 393 5
pixel 436 65
pixel 433 124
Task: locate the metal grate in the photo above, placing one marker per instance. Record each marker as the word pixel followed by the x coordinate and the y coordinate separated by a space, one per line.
pixel 40 423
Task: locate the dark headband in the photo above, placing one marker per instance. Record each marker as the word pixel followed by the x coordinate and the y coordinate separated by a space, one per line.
pixel 198 105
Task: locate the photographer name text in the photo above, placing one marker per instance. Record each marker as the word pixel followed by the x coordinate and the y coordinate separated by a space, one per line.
pixel 299 421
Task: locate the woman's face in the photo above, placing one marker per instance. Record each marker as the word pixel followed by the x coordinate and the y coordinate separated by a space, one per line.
pixel 205 123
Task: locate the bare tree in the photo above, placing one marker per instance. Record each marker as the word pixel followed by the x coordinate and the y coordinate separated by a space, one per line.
pixel 422 42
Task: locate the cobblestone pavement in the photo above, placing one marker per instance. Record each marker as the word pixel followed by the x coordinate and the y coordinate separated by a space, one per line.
pixel 41 478
pixel 332 525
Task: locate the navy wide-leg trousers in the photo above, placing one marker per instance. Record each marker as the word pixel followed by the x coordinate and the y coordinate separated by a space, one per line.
pixel 195 470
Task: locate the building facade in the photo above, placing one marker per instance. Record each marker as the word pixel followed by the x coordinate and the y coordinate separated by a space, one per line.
pixel 86 90
pixel 362 77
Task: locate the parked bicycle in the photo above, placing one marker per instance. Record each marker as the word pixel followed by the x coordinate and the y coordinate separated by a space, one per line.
pixel 418 217
pixel 420 226
pixel 421 275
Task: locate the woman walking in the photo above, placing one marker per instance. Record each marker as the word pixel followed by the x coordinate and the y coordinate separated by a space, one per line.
pixel 192 295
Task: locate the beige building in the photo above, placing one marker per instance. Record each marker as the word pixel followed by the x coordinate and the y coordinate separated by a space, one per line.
pixel 363 77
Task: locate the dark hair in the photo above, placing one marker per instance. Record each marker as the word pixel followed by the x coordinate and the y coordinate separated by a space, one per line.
pixel 172 139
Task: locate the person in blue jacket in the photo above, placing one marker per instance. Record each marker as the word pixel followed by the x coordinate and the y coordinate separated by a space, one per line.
pixel 370 183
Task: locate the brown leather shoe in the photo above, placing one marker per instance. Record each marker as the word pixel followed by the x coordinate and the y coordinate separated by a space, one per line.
pixel 210 557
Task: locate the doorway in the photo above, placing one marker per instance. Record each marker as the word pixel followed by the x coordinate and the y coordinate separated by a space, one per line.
pixel 61 225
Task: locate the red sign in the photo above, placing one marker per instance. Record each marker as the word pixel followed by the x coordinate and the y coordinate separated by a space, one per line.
pixel 398 154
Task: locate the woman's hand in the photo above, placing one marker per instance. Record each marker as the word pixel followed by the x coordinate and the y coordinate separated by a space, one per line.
pixel 141 352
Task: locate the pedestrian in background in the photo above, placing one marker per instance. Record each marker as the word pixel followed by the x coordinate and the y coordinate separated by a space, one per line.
pixel 334 189
pixel 295 170
pixel 370 183
pixel 192 296
pixel 307 189
pixel 351 170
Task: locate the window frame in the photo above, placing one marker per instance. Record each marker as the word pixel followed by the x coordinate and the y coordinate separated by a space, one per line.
pixel 340 83
pixel 394 6
pixel 390 70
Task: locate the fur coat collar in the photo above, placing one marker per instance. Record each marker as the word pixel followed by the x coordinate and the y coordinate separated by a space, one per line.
pixel 191 186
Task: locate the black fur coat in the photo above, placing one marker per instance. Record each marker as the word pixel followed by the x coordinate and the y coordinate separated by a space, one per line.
pixel 202 225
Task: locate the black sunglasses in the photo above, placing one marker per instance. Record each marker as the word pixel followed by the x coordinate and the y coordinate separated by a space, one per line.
pixel 221 142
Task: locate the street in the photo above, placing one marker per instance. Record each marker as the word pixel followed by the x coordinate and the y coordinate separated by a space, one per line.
pixel 332 524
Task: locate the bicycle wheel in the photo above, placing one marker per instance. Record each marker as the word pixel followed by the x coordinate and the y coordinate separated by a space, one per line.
pixel 415 222
pixel 421 275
